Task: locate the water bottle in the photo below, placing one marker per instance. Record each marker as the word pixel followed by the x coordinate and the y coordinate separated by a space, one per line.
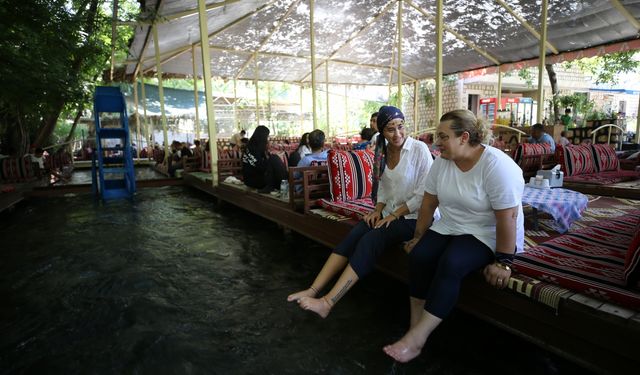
pixel 284 189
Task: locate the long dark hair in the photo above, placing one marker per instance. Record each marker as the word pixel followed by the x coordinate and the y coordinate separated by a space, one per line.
pixel 304 141
pixel 259 141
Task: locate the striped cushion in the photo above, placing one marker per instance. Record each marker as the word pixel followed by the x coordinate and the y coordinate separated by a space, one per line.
pixel 575 160
pixel 590 260
pixel 351 174
pixel 355 209
pixel 606 159
pixel 632 260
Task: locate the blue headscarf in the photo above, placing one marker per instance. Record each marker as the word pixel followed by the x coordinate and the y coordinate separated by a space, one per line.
pixel 386 114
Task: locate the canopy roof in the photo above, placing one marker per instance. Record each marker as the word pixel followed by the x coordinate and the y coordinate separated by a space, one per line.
pixel 358 37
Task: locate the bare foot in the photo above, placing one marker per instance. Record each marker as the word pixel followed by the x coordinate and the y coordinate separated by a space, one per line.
pixel 303 293
pixel 403 350
pixel 319 306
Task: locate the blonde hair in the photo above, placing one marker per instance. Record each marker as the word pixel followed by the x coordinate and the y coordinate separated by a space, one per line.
pixel 463 120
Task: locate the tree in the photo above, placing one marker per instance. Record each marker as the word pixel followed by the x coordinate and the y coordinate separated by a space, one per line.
pixel 50 53
pixel 605 69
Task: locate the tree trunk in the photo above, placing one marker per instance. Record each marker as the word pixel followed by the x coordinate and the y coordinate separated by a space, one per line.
pixel 50 120
pixel 553 80
pixel 75 124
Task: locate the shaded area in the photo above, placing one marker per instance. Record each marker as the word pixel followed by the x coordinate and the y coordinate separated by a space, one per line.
pixel 170 284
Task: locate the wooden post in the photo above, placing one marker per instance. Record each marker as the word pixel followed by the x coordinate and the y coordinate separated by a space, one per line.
pixel 135 100
pixel 156 47
pixel 326 86
pixel 399 23
pixel 499 94
pixel 346 108
pixel 438 93
pixel 235 107
pixel 543 52
pixel 206 75
pixel 312 32
pixel 301 111
pixel 257 74
pixel 195 91
pixel 146 120
pixel 415 107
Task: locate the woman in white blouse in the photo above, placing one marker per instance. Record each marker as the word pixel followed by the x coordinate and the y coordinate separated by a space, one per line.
pixel 402 170
pixel 478 190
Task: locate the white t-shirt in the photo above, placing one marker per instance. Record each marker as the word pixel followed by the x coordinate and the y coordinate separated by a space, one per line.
pixel 405 184
pixel 467 200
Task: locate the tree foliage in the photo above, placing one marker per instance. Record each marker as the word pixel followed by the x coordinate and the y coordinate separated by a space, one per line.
pixel 51 53
pixel 605 69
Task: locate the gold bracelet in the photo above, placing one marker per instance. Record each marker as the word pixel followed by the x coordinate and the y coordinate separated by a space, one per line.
pixel 503 266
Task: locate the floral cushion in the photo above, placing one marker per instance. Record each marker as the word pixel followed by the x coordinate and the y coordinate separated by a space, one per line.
pixel 606 159
pixel 576 160
pixel 351 174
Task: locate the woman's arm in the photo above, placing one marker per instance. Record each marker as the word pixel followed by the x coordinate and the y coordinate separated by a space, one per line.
pixel 373 217
pixel 425 217
pixel 498 273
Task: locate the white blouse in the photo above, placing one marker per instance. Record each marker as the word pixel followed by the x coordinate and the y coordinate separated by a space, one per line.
pixel 405 184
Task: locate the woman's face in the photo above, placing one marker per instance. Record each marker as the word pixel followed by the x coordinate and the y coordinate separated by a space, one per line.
pixel 394 132
pixel 447 142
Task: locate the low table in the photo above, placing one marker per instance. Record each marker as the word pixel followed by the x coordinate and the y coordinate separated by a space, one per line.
pixel 565 206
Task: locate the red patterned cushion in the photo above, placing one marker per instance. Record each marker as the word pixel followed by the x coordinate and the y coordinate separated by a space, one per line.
pixel 355 209
pixel 590 260
pixel 524 155
pixel 575 160
pixel 632 260
pixel 606 159
pixel 351 174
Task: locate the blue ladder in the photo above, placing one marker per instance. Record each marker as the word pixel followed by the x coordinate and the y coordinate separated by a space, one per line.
pixel 115 173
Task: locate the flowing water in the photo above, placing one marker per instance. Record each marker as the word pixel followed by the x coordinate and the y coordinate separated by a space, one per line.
pixel 171 284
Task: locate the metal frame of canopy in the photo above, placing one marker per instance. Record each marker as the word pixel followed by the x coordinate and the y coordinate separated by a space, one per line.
pixel 433 11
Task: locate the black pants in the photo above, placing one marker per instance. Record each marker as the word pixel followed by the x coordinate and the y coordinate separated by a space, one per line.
pixel 437 265
pixel 363 245
pixel 275 172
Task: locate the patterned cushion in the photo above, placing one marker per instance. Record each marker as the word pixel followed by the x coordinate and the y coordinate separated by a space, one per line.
pixel 575 160
pixel 355 209
pixel 530 149
pixel 590 260
pixel 351 174
pixel 632 260
pixel 604 178
pixel 16 169
pixel 606 159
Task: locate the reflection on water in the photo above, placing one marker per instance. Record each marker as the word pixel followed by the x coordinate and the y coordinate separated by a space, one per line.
pixel 170 284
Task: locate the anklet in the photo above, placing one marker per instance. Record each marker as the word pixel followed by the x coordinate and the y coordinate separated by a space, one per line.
pixel 314 289
pixel 327 301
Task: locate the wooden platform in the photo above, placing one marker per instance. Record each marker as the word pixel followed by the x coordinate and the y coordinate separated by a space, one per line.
pixel 10 200
pixel 602 337
pixel 627 189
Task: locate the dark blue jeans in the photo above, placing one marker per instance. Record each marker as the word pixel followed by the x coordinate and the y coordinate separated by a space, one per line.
pixel 363 245
pixel 437 265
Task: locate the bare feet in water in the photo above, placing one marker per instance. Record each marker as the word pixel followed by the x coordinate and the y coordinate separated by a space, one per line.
pixel 319 306
pixel 303 293
pixel 404 350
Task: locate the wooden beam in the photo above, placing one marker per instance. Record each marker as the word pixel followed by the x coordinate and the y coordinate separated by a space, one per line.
pixel 114 35
pixel 277 27
pixel 399 23
pixel 156 46
pixel 459 36
pixel 312 38
pixel 526 24
pixel 195 92
pixel 630 18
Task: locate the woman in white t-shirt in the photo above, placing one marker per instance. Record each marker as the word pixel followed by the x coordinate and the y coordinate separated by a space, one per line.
pixel 403 170
pixel 478 190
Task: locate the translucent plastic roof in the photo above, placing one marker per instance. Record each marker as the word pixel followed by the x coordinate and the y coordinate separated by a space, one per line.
pixel 358 37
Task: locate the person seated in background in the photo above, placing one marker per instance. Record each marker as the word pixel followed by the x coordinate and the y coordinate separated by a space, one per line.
pixel 300 152
pixel 478 190
pixel 318 154
pixel 566 118
pixel 563 139
pixel 403 170
pixel 365 139
pixel 373 124
pixel 243 144
pixel 197 149
pixel 236 139
pixel 260 169
pixel 499 143
pixel 539 136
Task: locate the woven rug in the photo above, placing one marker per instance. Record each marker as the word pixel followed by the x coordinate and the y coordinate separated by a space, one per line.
pixel 598 209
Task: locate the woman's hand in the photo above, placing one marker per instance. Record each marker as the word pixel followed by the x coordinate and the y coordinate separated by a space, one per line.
pixel 409 245
pixel 372 218
pixel 496 275
pixel 386 221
